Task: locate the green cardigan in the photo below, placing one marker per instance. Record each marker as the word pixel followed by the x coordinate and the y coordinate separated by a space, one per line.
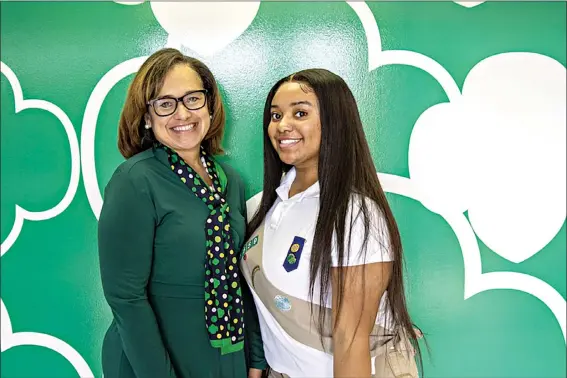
pixel 151 243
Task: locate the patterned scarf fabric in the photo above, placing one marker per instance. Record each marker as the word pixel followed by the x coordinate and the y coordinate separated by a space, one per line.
pixel 224 314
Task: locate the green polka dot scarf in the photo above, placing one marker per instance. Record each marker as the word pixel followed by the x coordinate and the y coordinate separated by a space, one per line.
pixel 224 314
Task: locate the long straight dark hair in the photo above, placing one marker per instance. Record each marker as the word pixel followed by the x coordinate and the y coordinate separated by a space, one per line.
pixel 345 168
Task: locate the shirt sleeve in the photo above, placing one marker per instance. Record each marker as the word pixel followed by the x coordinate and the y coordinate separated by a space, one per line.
pixel 125 241
pixel 377 248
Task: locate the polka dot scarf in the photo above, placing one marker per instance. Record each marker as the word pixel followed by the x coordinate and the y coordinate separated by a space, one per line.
pixel 224 314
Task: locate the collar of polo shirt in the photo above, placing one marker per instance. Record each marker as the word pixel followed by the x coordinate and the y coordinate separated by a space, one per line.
pixel 285 186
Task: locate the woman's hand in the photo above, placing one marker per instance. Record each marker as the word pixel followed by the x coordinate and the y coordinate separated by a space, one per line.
pixel 254 373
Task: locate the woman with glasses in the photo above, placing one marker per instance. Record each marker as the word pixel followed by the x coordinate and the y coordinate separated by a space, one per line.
pixel 170 234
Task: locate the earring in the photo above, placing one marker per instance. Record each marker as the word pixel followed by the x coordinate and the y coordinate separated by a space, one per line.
pixel 211 116
pixel 148 126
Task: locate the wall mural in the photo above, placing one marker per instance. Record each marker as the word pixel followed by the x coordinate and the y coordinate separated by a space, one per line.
pixel 464 107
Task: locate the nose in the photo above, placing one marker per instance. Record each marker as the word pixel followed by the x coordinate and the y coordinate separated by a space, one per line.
pixel 182 112
pixel 284 125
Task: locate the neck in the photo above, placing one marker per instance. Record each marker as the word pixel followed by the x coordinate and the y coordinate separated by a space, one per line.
pixel 304 178
pixel 191 157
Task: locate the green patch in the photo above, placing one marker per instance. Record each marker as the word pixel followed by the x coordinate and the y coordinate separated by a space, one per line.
pixel 291 259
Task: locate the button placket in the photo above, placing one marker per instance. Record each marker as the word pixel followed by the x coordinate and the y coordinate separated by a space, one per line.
pixel 279 212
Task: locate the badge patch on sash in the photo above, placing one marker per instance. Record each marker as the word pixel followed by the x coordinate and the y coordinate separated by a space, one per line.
pixel 249 245
pixel 282 303
pixel 294 254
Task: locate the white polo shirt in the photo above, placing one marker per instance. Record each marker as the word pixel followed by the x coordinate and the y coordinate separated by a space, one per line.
pixel 297 216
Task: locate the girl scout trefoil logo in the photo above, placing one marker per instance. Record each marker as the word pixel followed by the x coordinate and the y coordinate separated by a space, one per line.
pixel 294 254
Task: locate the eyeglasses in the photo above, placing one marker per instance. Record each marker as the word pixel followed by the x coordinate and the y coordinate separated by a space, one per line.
pixel 166 106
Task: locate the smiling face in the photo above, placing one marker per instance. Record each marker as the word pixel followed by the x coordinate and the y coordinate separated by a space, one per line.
pixel 184 130
pixel 295 125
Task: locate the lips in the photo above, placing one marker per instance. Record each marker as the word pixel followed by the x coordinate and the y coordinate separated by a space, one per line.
pixel 184 128
pixel 288 142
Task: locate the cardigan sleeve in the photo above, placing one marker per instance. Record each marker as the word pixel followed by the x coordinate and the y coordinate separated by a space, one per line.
pixel 125 242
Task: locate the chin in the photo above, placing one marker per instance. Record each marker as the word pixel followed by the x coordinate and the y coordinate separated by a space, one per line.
pixel 189 144
pixel 286 159
pixel 289 161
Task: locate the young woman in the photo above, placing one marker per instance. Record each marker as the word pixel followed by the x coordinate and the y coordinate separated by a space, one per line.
pixel 324 256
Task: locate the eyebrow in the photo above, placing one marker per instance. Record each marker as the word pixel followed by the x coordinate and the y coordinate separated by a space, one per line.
pixel 185 94
pixel 295 103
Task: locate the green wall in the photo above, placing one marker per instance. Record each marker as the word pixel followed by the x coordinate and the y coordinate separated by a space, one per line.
pixel 464 110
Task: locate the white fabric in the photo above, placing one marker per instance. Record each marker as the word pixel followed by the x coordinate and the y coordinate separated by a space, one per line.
pixel 297 216
pixel 377 247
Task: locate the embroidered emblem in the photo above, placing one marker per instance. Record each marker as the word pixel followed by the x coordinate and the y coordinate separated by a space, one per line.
pixel 282 303
pixel 254 271
pixel 250 244
pixel 294 254
pixel 291 259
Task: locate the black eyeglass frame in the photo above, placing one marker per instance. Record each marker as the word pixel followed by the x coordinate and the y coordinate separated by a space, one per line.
pixel 177 101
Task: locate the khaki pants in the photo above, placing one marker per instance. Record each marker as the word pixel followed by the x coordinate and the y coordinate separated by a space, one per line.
pixel 275 374
pixel 394 363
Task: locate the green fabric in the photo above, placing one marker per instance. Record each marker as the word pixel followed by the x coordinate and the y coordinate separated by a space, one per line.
pixel 224 315
pixel 152 264
pixel 221 174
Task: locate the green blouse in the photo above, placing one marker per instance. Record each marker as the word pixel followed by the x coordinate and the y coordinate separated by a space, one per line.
pixel 152 259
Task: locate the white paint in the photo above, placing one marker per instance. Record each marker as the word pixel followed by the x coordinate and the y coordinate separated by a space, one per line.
pixel 21 213
pixel 8 340
pixel 88 131
pixel 520 200
pixel 440 134
pixel 378 58
pixel 499 153
pixel 468 4
pixel 425 63
pixel 129 2
pixel 371 30
pixel 476 281
pixel 204 27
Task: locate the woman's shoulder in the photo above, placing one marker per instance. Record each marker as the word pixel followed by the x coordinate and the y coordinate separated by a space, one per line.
pixel 232 175
pixel 358 200
pixel 136 163
pixel 364 211
pixel 134 169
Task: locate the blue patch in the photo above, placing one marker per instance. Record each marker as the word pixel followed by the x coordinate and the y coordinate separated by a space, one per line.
pixel 282 303
pixel 291 261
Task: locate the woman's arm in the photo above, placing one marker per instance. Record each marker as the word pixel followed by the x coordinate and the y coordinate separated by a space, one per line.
pixel 255 348
pixel 125 242
pixel 363 287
